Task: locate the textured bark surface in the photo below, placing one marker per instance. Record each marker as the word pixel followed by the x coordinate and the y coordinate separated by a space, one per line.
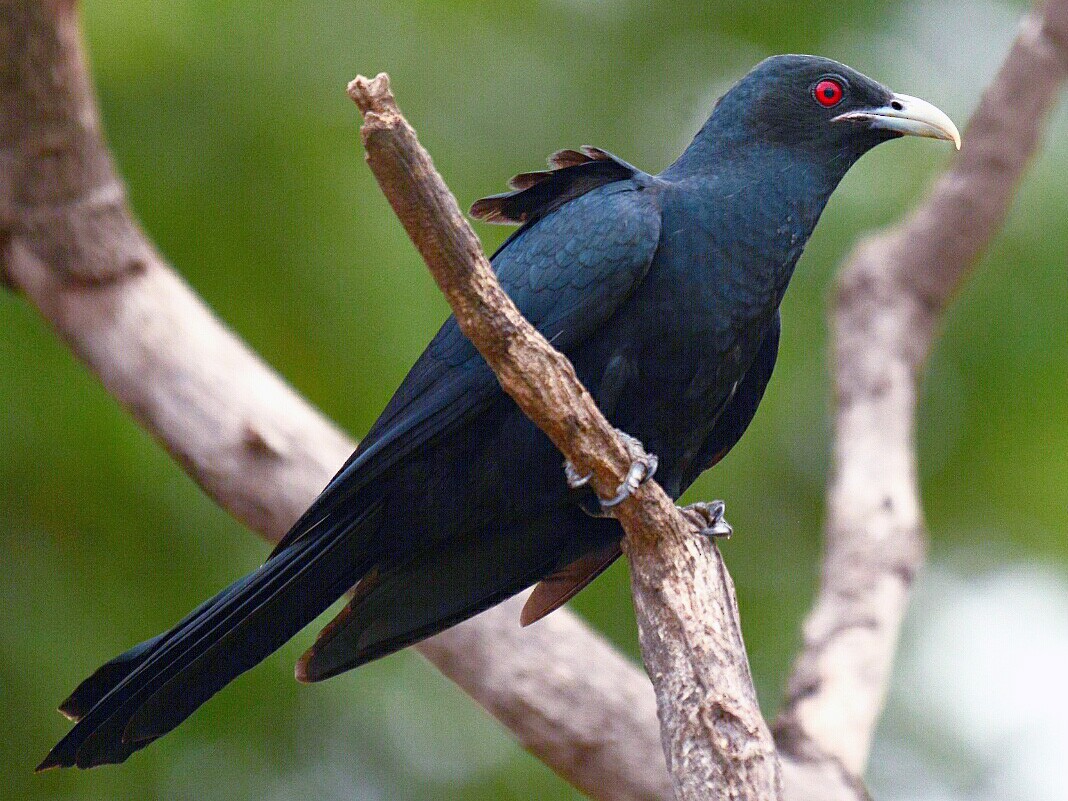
pixel 69 243
pixel 890 297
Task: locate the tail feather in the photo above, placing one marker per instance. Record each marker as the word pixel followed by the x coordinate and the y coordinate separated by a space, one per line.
pixel 111 674
pixel 430 592
pixel 89 692
pixel 277 620
pixel 146 692
pixel 407 604
pixel 99 737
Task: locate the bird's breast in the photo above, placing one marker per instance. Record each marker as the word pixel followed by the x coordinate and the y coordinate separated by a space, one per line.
pixel 664 368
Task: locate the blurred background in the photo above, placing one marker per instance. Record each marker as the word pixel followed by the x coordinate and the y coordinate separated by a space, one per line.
pixel 230 124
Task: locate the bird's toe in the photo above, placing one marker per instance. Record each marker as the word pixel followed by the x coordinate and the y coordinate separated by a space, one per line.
pixel 574 479
pixel 642 468
pixel 709 517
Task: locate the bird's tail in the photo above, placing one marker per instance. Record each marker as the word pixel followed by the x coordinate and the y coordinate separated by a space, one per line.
pixel 147 691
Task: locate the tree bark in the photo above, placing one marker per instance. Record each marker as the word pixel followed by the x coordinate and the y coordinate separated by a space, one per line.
pixel 69 244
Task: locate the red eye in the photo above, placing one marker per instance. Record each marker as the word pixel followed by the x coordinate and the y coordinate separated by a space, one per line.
pixel 827 93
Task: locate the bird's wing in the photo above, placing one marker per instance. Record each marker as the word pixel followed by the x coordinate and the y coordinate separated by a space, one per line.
pixel 567 272
pixel 554 591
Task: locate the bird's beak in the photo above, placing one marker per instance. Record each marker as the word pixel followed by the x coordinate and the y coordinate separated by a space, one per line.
pixel 908 116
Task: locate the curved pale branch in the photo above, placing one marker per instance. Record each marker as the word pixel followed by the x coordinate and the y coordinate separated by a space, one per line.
pixel 72 248
pixel 890 298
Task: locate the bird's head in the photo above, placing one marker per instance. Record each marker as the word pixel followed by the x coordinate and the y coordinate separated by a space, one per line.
pixel 819 106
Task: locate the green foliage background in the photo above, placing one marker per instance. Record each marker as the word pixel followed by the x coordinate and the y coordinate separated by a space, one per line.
pixel 231 126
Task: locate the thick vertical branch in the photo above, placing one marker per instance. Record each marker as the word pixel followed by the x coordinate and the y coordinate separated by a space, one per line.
pixel 891 296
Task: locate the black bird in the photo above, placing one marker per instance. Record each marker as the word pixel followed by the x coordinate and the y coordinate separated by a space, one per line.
pixel 663 290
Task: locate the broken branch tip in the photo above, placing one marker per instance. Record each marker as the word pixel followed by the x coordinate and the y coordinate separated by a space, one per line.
pixel 371 94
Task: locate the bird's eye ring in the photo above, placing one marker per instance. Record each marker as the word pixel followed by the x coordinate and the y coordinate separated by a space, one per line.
pixel 828 92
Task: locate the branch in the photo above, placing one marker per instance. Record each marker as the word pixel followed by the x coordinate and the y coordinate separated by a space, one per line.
pixel 891 295
pixel 713 733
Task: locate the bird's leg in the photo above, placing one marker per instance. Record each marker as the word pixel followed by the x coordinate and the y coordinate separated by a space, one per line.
pixel 708 515
pixel 642 468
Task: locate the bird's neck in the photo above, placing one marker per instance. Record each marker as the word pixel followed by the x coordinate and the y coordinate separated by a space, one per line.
pixel 796 177
pixel 757 194
pixel 722 142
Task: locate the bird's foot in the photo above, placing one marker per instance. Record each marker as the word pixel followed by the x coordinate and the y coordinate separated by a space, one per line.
pixel 574 480
pixel 642 468
pixel 708 515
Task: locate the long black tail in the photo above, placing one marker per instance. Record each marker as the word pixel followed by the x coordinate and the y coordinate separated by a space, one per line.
pixel 147 691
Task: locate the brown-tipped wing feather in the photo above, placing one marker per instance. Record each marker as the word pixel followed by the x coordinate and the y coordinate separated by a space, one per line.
pixel 554 591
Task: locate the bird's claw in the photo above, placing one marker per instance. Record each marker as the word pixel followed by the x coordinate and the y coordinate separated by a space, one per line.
pixel 708 515
pixel 574 480
pixel 642 468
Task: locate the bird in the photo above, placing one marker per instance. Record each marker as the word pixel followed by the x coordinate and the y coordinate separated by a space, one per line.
pixel 663 291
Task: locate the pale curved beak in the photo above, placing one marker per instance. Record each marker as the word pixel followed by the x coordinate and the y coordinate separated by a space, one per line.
pixel 908 116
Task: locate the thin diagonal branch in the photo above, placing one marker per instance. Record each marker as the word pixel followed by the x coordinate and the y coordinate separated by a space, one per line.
pixel 714 735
